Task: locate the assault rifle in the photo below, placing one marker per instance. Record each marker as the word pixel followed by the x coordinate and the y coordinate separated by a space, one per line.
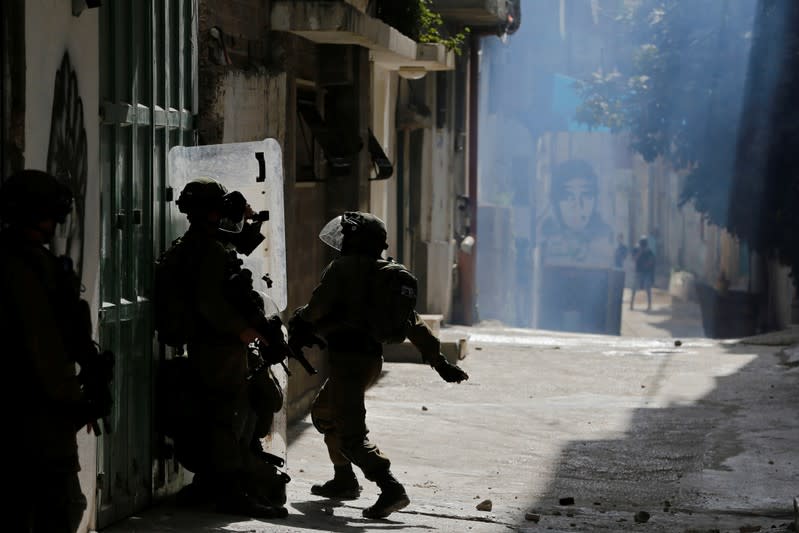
pixel 301 335
pixel 96 366
pixel 96 373
pixel 271 328
pixel 250 303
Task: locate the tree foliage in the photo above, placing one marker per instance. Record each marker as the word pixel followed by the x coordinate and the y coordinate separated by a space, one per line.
pixel 707 85
pixel 417 20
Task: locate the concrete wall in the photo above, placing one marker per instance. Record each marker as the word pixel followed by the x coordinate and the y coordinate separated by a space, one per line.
pixel 383 193
pixel 434 166
pixel 781 293
pixel 506 183
pixel 13 86
pixel 440 205
pixel 495 274
pixel 78 37
pixel 686 242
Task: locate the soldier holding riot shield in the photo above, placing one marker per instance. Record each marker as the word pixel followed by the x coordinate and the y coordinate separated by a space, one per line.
pixel 214 436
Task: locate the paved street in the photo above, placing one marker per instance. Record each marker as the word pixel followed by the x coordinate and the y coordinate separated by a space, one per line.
pixel 697 437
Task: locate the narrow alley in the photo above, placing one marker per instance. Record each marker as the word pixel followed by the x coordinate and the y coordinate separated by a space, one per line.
pixel 582 214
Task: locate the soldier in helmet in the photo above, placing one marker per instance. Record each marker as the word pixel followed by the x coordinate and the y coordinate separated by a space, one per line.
pixel 344 311
pixel 216 445
pixel 48 404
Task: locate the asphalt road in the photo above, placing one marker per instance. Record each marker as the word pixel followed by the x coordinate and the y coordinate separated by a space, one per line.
pixel 701 437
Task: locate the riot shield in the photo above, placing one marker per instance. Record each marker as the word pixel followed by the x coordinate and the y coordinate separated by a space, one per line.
pixel 256 170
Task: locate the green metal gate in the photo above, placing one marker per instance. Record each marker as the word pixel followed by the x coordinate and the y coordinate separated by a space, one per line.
pixel 147 87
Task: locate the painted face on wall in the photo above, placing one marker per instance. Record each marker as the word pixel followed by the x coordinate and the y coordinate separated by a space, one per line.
pixel 577 203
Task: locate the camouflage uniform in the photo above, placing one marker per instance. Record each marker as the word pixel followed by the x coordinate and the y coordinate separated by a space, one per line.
pixel 337 310
pixel 341 310
pixel 214 442
pixel 218 361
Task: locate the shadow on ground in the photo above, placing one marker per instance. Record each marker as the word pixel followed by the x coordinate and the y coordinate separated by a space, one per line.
pixel 717 464
pixel 669 317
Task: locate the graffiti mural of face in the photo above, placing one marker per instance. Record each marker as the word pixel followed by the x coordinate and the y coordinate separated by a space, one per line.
pixel 577 204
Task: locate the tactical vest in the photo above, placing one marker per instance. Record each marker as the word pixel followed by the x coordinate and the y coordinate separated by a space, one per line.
pixel 392 301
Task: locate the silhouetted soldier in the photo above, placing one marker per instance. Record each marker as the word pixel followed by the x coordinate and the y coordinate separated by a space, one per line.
pixel 44 325
pixel 360 302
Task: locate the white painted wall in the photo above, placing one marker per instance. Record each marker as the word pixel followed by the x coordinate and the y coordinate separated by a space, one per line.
pixel 383 193
pixel 438 204
pixel 782 292
pixel 51 30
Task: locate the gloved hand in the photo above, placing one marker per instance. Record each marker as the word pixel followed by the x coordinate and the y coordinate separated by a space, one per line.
pixel 272 355
pixel 81 413
pixel 301 334
pixel 88 411
pixel 449 372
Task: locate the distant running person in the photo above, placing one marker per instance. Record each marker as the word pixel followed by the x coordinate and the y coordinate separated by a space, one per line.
pixel 644 272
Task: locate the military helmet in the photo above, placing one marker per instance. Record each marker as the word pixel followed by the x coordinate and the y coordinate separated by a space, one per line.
pixel 31 196
pixel 200 196
pixel 355 231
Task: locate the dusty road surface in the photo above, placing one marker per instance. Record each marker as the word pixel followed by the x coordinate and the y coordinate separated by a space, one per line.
pixel 643 435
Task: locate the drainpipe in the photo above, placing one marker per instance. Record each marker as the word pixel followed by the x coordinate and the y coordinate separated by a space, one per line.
pixel 468 261
pixel 474 108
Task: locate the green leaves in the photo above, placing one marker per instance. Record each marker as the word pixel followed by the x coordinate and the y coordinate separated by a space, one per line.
pixel 417 20
pixel 678 89
pixel 432 26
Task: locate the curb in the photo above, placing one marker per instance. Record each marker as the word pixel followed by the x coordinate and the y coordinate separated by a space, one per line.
pixel 406 352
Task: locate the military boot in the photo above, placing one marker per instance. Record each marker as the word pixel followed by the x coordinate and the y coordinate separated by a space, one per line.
pixel 343 486
pixel 267 484
pixel 233 498
pixel 198 493
pixel 392 497
pixel 243 504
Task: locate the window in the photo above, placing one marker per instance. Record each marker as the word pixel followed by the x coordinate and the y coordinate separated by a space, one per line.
pixel 309 121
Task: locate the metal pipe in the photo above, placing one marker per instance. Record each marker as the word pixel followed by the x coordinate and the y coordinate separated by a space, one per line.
pixel 474 81
pixel 468 262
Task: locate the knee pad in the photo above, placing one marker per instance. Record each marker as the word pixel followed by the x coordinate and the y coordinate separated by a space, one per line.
pixel 321 424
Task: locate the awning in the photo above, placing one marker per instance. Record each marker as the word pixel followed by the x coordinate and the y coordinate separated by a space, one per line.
pixel 383 167
pixel 339 149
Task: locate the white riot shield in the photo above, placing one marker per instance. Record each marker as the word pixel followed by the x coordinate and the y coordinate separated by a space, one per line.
pixel 256 170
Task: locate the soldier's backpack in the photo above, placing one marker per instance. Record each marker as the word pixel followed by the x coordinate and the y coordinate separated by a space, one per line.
pixel 393 295
pixel 172 303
